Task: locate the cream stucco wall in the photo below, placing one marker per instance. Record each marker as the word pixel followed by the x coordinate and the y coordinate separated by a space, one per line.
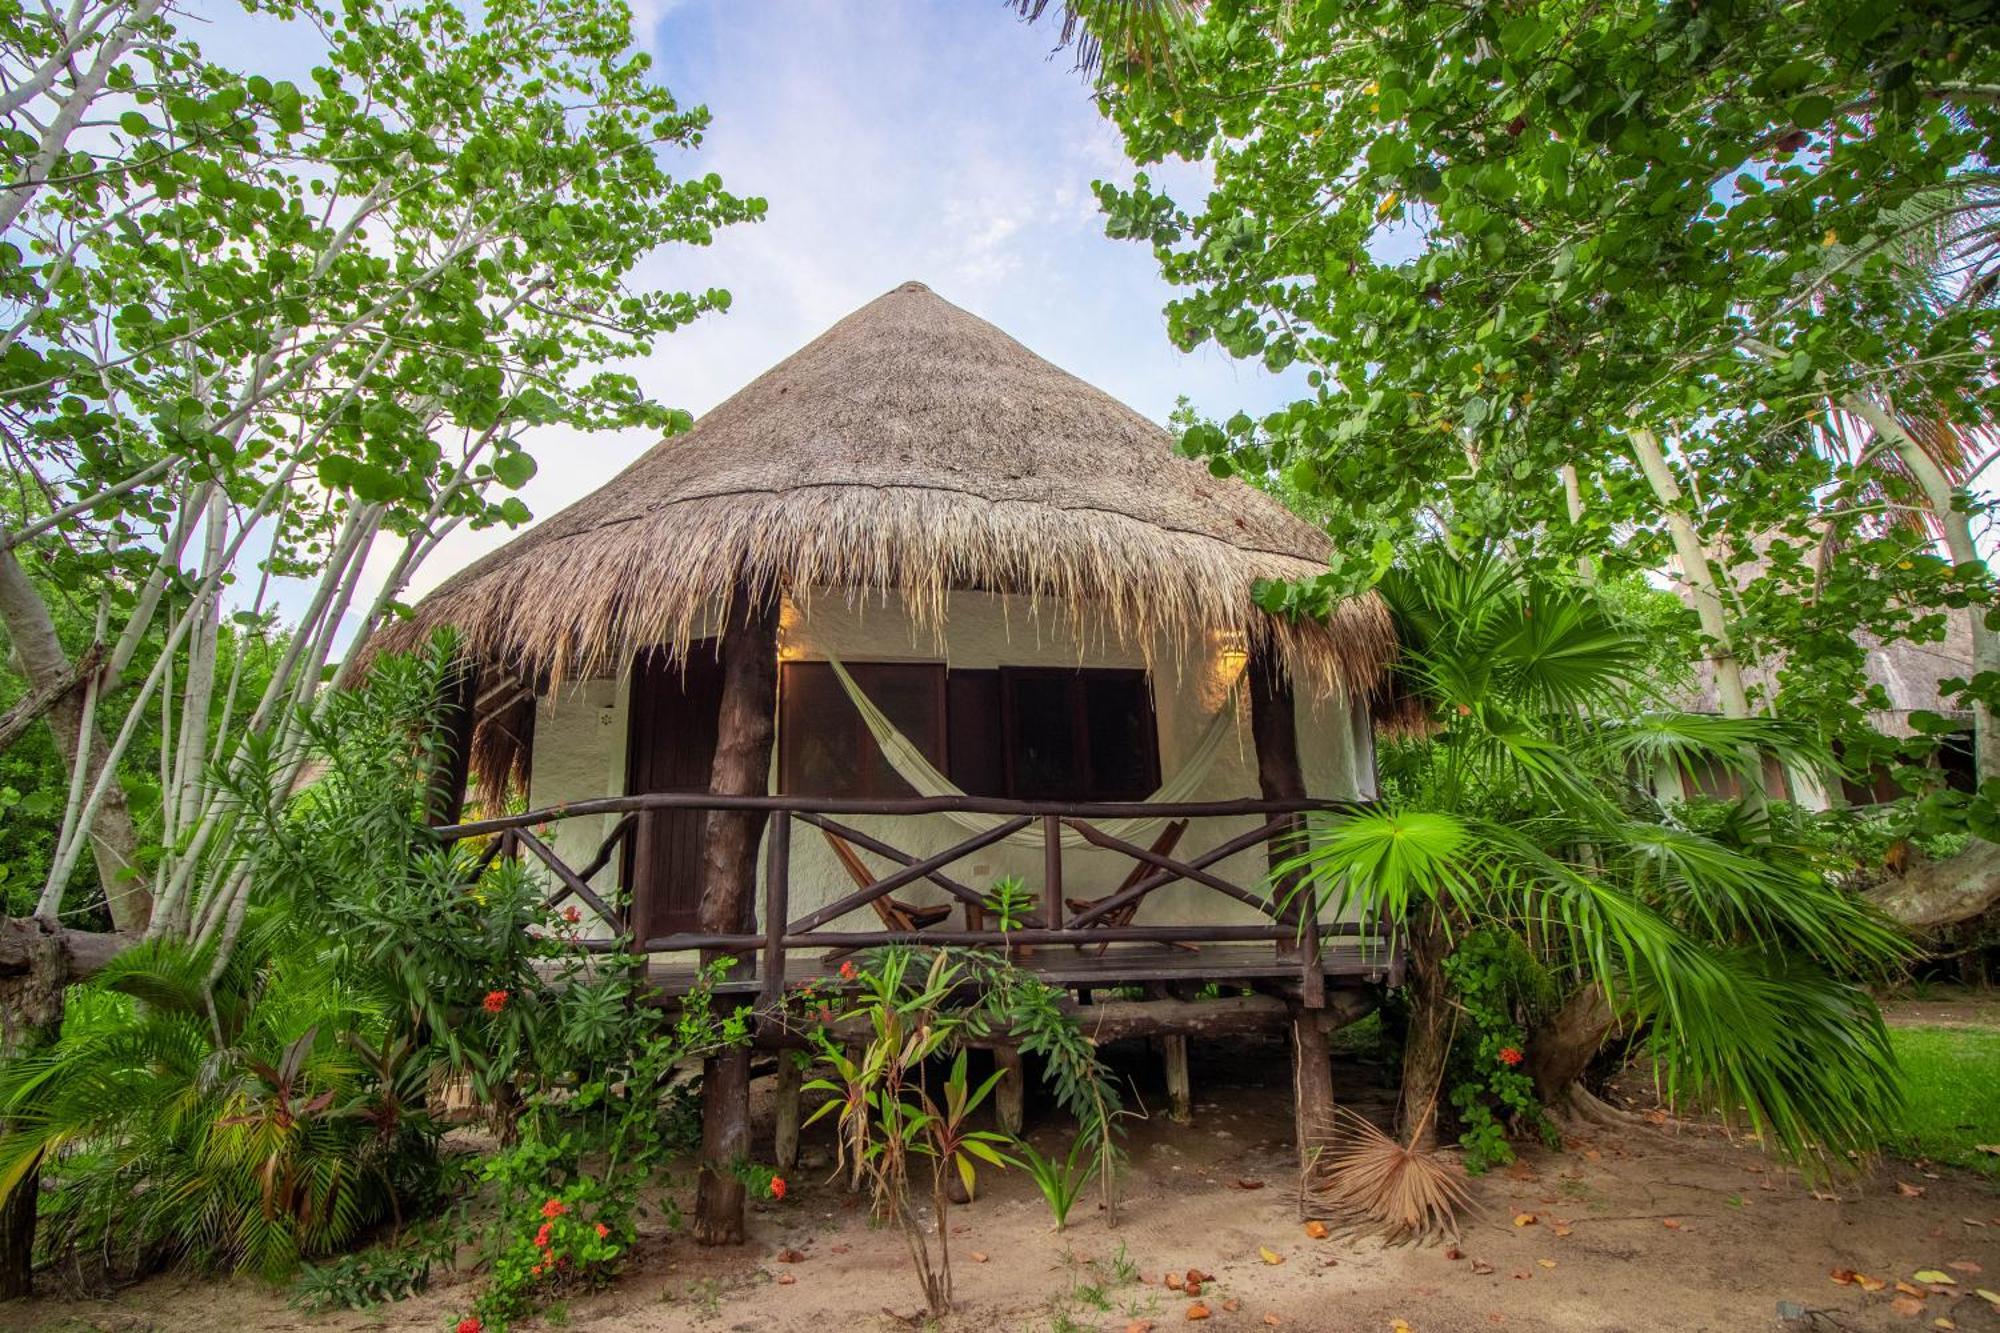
pixel 579 754
pixel 580 737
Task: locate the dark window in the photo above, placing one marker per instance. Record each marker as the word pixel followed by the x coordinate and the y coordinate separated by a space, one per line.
pixel 1078 735
pixel 1024 732
pixel 825 749
pixel 976 743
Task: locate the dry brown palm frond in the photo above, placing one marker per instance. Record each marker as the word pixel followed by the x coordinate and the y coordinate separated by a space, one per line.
pixel 502 744
pixel 1372 1184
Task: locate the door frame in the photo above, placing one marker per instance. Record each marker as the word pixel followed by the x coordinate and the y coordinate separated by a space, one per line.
pixel 652 917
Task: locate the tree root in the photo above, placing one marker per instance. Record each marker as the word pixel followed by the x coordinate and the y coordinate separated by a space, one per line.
pixel 1578 1105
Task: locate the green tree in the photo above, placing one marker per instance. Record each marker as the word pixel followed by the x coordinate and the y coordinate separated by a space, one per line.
pixel 1606 283
pixel 249 327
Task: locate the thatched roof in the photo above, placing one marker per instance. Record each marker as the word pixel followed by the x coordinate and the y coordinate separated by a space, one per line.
pixel 910 450
pixel 1908 673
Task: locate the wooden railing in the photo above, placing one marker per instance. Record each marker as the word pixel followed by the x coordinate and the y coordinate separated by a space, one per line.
pixel 778 932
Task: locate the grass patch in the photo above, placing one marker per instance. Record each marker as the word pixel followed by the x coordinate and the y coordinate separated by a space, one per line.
pixel 1949 1081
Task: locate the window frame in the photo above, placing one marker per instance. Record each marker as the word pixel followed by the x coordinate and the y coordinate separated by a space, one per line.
pixel 878 781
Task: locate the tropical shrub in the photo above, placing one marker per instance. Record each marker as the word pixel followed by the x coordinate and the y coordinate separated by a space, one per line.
pixel 923 1006
pixel 1520 805
pixel 598 1130
pixel 243 1121
pixel 271 1092
pixel 888 1113
pixel 1500 988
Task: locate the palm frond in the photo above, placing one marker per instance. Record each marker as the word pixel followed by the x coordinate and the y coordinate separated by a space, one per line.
pixel 1141 34
pixel 1371 1184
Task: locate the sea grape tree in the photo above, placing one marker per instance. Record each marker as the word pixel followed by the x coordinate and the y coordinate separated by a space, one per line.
pixel 263 344
pixel 1694 287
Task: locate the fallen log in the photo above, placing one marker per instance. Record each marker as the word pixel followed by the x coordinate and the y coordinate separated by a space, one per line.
pixel 1943 893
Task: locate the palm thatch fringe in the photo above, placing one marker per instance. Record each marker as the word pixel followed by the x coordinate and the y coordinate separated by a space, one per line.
pixel 583 607
pixel 502 743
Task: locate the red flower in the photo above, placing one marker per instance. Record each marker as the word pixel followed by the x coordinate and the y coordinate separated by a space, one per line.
pixel 602 1231
pixel 1510 1055
pixel 777 1187
pixel 554 1208
pixel 571 915
pixel 847 970
pixel 470 1324
pixel 495 1001
pixel 536 1271
pixel 542 1236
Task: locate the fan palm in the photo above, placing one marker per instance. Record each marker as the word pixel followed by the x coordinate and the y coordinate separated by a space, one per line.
pixel 227 1127
pixel 1521 803
pixel 1134 32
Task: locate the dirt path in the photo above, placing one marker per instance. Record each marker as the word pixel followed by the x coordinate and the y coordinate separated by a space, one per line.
pixel 1671 1228
pixel 1945 1008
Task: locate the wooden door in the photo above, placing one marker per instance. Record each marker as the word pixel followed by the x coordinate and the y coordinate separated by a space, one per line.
pixel 670 746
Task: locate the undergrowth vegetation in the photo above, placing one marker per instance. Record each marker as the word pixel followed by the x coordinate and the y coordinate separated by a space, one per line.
pixel 287 1097
pixel 1553 901
pixel 902 1098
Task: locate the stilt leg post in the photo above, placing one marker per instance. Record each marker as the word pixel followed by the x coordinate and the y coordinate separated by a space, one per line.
pixel 785 1149
pixel 1312 1084
pixel 1180 1098
pixel 1010 1098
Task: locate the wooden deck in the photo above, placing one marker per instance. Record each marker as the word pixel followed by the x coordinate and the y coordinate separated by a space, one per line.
pixel 1342 963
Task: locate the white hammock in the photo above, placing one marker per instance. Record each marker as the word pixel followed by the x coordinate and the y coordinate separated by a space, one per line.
pixel 911 765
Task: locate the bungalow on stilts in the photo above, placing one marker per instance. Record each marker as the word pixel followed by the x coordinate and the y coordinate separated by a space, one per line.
pixel 912 613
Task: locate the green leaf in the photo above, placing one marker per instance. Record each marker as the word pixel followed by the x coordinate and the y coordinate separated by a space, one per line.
pixel 513 470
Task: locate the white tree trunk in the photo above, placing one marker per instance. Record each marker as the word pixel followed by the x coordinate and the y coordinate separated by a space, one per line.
pixel 1956 525
pixel 1698 572
pixel 1586 571
pixel 113 841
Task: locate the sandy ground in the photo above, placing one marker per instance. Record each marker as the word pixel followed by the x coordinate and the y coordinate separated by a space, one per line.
pixel 1675 1227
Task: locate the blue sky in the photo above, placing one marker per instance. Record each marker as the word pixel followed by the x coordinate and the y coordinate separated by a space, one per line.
pixel 936 140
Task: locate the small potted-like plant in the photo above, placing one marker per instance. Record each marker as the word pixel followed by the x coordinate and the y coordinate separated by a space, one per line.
pixel 891 1117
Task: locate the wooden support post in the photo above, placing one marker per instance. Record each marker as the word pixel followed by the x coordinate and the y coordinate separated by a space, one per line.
pixel 777 906
pixel 1010 1098
pixel 1312 1084
pixel 785 1148
pixel 1180 1093
pixel 1274 730
pixel 745 729
pixel 1052 870
pixel 444 802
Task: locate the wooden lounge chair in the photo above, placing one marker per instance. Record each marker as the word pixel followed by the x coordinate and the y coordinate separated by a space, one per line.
pixel 1162 846
pixel 895 915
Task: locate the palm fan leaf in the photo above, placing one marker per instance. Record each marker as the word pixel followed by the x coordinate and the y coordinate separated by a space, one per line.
pixel 1130 32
